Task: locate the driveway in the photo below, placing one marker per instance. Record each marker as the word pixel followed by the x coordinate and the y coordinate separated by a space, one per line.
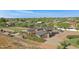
pixel 55 40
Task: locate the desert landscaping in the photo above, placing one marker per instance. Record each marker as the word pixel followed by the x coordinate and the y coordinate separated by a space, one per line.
pixel 39 33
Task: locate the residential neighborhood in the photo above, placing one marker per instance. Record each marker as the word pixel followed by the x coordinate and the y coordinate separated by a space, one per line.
pixel 39 33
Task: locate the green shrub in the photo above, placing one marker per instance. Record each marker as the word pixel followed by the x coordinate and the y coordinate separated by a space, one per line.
pixel 74 40
pixel 64 44
pixel 35 38
pixel 72 36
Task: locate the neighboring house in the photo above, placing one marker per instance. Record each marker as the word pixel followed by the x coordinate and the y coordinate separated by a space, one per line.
pixel 10 24
pixel 39 22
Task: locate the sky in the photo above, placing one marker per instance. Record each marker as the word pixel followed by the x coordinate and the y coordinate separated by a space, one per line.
pixel 38 13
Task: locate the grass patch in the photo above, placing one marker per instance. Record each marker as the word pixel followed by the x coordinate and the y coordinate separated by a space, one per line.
pixel 74 40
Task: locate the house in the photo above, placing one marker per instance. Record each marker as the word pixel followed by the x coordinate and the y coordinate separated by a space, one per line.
pixel 49 28
pixel 38 29
pixel 42 34
pixel 45 34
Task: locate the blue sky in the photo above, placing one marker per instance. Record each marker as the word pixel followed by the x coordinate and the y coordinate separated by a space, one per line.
pixel 38 13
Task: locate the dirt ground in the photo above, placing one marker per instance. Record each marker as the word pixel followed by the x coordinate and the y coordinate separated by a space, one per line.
pixel 7 42
pixel 51 43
